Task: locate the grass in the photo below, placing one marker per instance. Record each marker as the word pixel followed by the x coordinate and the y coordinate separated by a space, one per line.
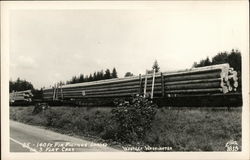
pixel 183 130
pixel 195 130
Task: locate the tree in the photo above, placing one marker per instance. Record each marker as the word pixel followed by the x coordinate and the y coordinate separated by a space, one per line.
pixel 114 73
pixel 205 62
pixel 101 74
pixel 95 76
pixel 81 78
pixel 86 78
pixel 20 85
pixel 98 75
pixel 156 66
pixel 195 64
pixel 107 74
pixel 128 74
pixel 74 80
pixel 68 82
pixel 220 58
pixel 61 83
pixel 233 58
pixel 90 78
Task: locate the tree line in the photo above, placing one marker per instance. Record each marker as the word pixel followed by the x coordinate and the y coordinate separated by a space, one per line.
pixel 99 75
pixel 20 85
pixel 233 58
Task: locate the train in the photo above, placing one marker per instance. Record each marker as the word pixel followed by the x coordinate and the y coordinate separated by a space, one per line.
pixel 210 86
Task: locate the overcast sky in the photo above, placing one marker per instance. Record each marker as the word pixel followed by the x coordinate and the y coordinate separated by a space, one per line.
pixel 47 46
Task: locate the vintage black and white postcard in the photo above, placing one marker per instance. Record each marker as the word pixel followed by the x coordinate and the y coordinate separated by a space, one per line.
pixel 125 79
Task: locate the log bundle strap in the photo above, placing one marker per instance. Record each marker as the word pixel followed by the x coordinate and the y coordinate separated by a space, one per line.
pixel 204 80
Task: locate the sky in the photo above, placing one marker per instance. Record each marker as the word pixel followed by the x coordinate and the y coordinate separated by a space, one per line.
pixel 48 46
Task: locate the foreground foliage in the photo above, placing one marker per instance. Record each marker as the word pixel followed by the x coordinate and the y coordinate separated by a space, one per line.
pixel 133 119
pixel 183 130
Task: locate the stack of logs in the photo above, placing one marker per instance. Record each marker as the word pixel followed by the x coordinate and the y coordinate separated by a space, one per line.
pixel 203 80
pixel 21 96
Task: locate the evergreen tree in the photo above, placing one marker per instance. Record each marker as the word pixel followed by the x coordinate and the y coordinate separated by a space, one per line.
pixel 95 76
pixel 86 78
pixel 220 58
pixel 233 58
pixel 101 75
pixel 206 62
pixel 156 66
pixel 20 85
pixel 90 78
pixel 81 78
pixel 107 74
pixel 128 74
pixel 114 73
pixel 74 80
pixel 98 77
pixel 61 83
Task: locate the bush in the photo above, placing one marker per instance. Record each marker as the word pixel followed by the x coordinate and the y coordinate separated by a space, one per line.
pixel 133 118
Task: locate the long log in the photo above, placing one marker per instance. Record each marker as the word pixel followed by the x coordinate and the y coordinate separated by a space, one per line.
pixel 211 75
pixel 194 81
pixel 108 92
pixel 149 81
pixel 135 78
pixel 210 90
pixel 106 95
pixel 136 83
pixel 100 92
pixel 97 95
pixel 102 82
pixel 102 89
pixel 158 87
pixel 200 70
pixel 222 67
pixel 170 78
pixel 194 86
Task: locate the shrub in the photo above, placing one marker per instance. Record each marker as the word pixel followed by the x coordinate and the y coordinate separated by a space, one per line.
pixel 133 118
pixel 52 117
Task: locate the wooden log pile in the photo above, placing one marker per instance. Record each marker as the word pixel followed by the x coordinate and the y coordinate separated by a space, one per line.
pixel 21 96
pixel 204 80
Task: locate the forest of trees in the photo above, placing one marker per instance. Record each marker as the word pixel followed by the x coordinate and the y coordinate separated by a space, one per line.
pixel 20 85
pixel 233 58
pixel 99 75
